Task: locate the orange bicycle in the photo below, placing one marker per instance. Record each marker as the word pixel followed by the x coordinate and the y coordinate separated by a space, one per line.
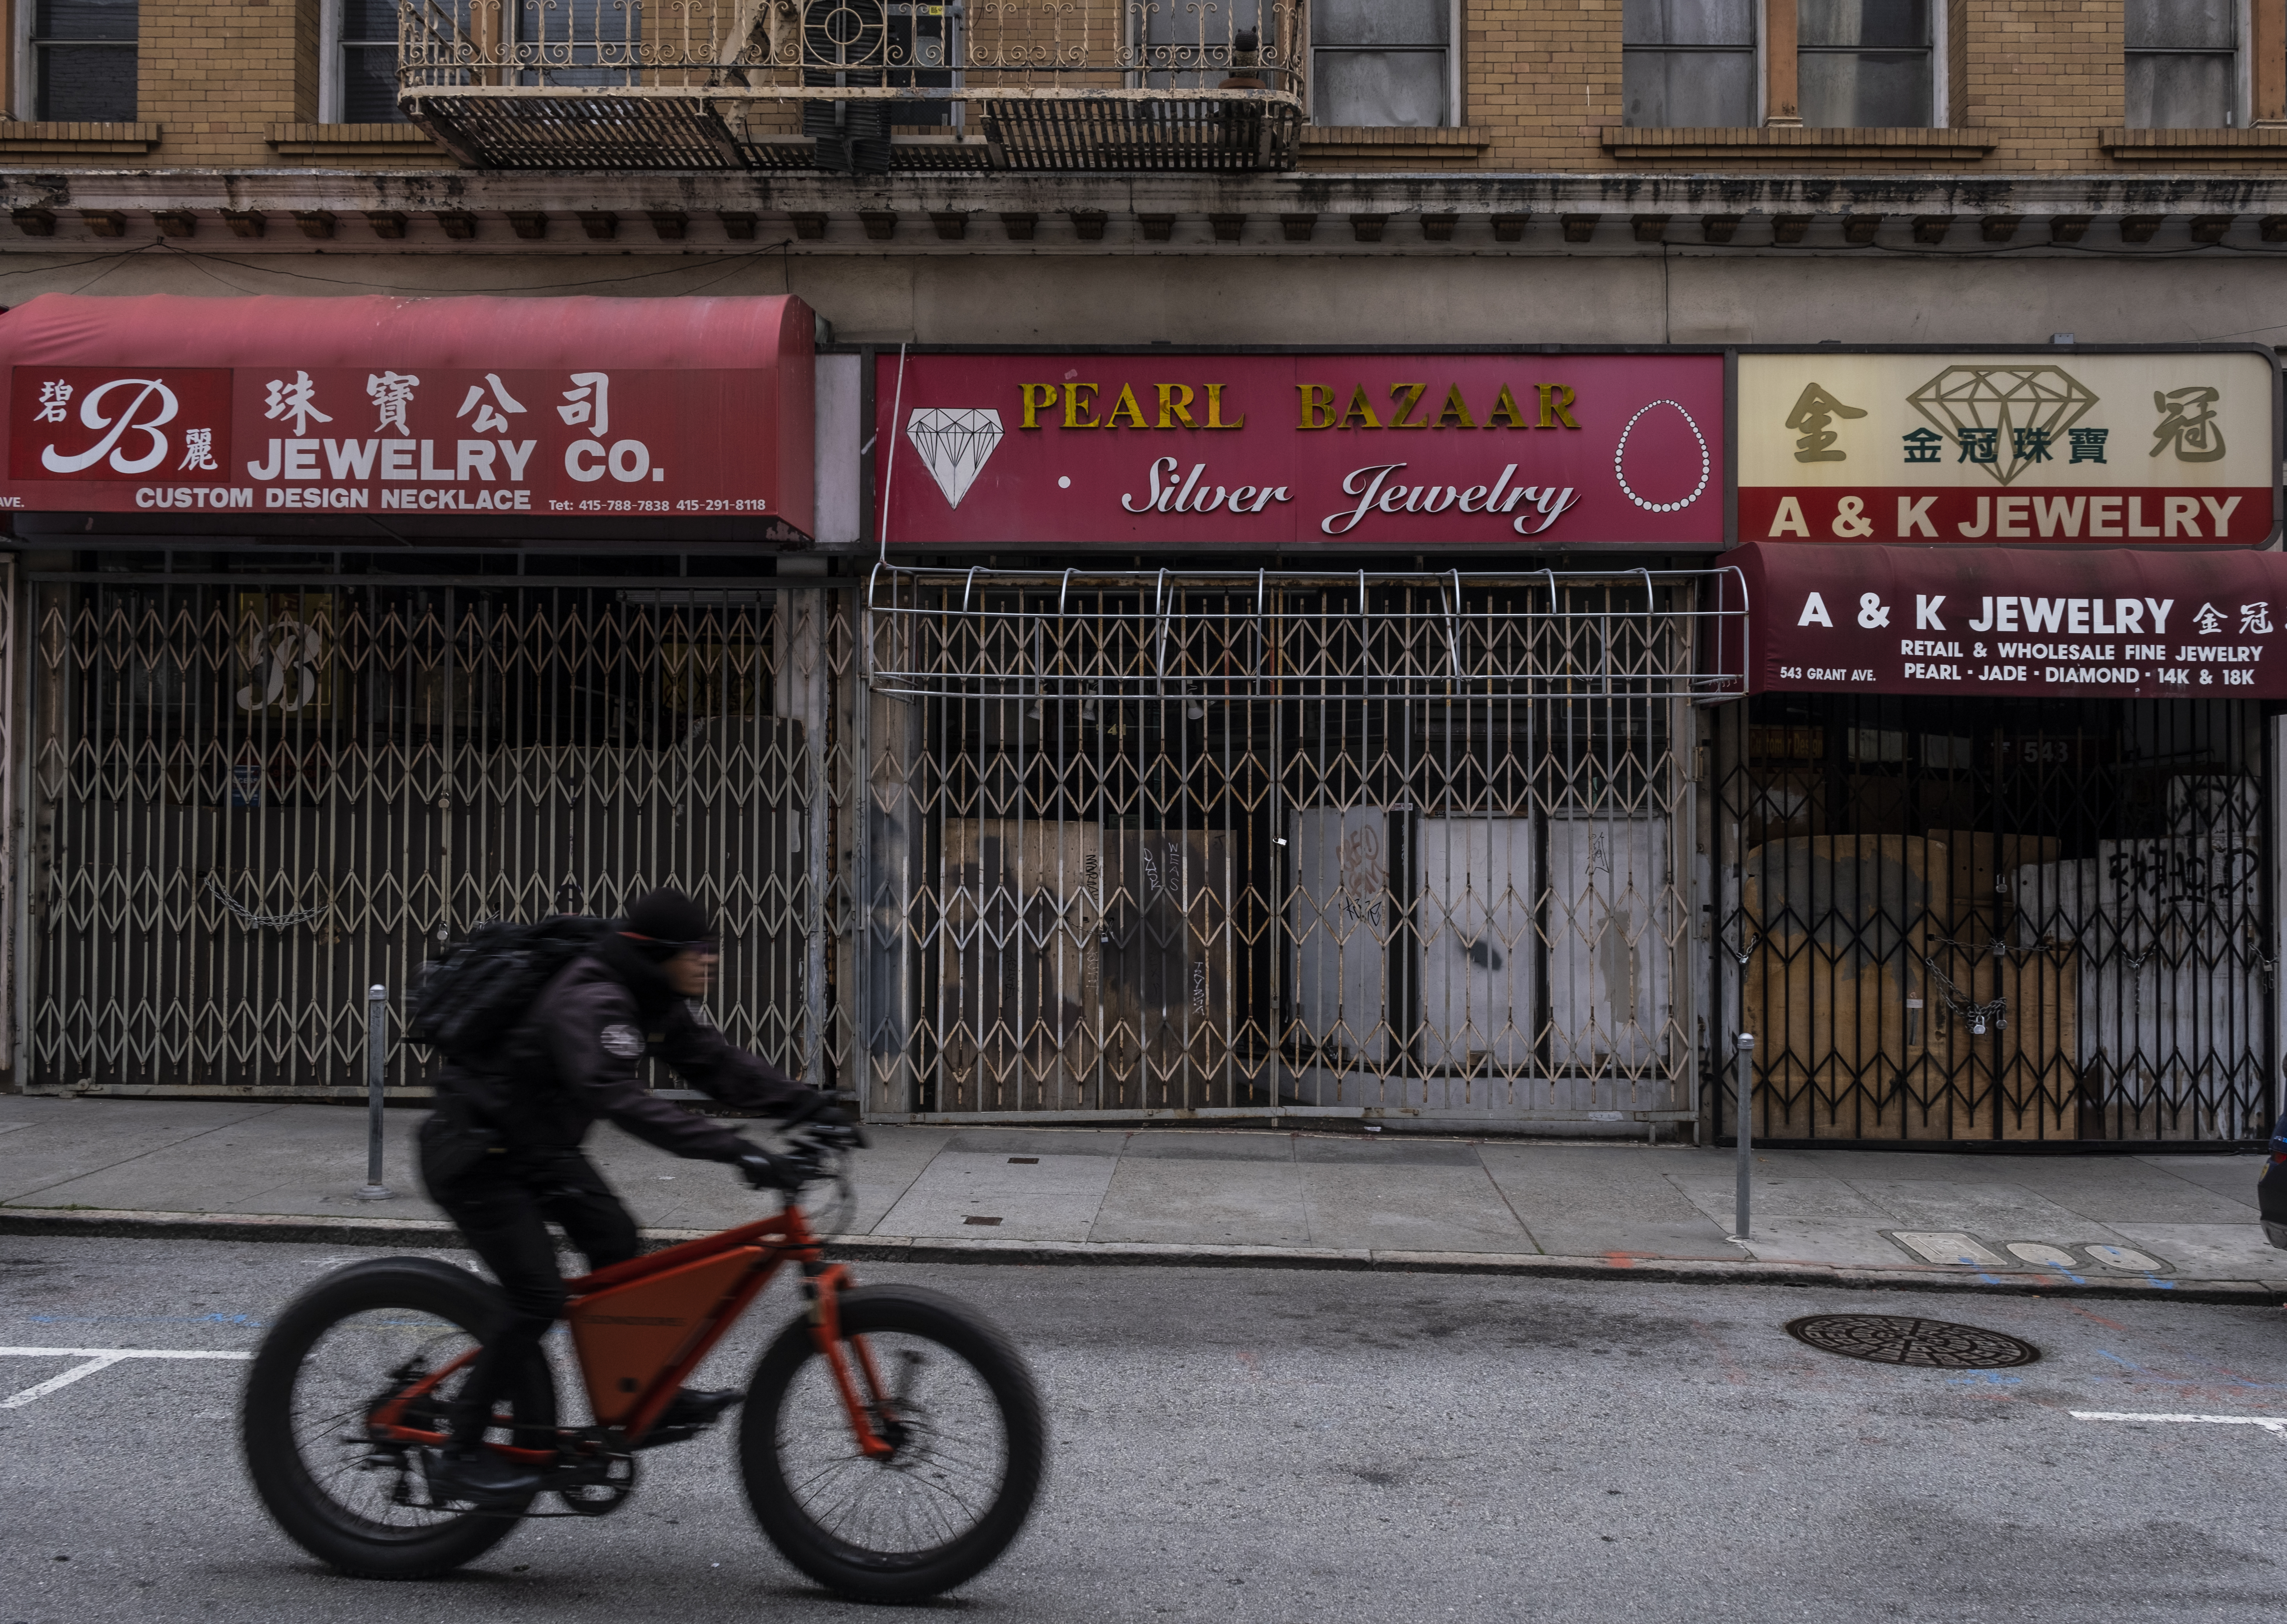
pixel 891 1440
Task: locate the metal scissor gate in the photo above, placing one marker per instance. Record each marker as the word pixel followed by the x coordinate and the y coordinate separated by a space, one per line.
pixel 1199 843
pixel 251 798
pixel 2000 919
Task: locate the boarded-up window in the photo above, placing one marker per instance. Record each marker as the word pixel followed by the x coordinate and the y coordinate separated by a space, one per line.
pixel 84 53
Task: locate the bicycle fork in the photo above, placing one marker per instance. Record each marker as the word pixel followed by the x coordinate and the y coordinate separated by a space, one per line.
pixel 823 1287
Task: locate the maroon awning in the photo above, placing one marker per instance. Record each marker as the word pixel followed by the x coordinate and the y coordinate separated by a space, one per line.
pixel 2117 623
pixel 498 418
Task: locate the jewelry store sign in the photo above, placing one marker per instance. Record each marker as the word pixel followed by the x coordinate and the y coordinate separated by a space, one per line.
pixel 1372 449
pixel 2149 448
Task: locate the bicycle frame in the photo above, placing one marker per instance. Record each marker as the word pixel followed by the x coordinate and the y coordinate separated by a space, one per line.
pixel 641 1328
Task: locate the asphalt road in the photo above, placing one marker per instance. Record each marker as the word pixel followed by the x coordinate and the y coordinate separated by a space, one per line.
pixel 1256 1444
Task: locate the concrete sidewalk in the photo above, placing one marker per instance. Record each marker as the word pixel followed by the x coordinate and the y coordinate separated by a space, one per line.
pixel 2181 1224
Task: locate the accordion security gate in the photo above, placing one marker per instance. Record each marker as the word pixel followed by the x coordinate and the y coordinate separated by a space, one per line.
pixel 250 799
pixel 1166 845
pixel 1998 920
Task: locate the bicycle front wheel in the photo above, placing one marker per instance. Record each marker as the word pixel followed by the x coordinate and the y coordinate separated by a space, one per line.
pixel 963 1418
pixel 357 1340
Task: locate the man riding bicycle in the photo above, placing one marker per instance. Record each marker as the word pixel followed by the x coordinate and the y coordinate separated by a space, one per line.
pixel 501 1154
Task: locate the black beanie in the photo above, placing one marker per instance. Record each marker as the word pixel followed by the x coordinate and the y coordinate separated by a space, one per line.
pixel 666 922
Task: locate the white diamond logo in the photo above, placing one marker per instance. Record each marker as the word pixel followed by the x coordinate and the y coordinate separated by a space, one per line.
pixel 955 442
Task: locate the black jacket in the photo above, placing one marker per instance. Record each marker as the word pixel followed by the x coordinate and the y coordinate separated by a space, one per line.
pixel 578 1055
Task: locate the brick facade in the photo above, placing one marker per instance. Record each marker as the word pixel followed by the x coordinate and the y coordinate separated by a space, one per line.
pixel 2034 86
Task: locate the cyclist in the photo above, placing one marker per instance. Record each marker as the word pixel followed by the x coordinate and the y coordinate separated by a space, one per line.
pixel 501 1154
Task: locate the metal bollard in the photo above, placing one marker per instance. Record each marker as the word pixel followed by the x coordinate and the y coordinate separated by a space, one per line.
pixel 1744 1107
pixel 376 1044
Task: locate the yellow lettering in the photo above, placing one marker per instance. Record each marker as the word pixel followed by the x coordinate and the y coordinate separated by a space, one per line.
pixel 1037 398
pixel 1359 409
pixel 1506 407
pixel 1127 407
pixel 1318 404
pixel 1552 405
pixel 1455 408
pixel 1412 393
pixel 1214 410
pixel 1077 407
pixel 1180 410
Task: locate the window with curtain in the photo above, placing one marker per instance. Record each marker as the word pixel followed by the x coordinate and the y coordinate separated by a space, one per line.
pixel 2183 64
pixel 1865 64
pixel 1380 61
pixel 369 64
pixel 83 60
pixel 1688 64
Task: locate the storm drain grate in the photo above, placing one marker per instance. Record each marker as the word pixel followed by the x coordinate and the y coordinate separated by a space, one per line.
pixel 1907 1339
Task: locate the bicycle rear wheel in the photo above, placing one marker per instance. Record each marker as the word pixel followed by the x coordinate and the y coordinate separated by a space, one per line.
pixel 356 1339
pixel 964 1417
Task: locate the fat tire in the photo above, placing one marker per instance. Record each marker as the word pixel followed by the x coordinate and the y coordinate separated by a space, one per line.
pixel 866 1576
pixel 304 1511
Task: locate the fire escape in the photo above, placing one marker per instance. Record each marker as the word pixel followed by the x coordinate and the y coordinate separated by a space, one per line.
pixel 856 86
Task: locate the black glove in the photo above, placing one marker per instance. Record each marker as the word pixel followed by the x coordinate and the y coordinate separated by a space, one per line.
pixel 762 1170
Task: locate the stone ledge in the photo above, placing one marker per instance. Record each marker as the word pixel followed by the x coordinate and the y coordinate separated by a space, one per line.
pixel 34 139
pixel 1727 143
pixel 351 141
pixel 2171 146
pixel 1394 140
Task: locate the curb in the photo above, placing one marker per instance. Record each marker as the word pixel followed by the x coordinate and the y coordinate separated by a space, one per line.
pixel 63 1222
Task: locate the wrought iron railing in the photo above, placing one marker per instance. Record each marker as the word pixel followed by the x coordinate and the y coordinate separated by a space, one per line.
pixel 1032 83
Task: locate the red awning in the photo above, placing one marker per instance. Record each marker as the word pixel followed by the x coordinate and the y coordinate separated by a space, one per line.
pixel 491 418
pixel 2114 623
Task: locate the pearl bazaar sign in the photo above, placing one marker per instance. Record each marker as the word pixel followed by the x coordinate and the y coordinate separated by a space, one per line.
pixel 1167 448
pixel 2149 448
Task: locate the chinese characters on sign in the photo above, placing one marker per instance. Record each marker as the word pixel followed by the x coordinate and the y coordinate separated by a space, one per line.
pixel 438 440
pixel 1981 449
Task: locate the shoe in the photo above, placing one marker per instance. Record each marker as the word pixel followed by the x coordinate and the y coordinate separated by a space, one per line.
pixel 696 1406
pixel 483 1479
pixel 689 1414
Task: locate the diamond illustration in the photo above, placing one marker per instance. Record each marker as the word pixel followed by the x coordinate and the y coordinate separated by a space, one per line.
pixel 955 442
pixel 2016 413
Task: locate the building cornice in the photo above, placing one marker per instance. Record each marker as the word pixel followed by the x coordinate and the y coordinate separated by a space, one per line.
pixel 302 211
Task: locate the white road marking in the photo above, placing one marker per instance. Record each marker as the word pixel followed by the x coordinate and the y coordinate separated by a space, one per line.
pixel 93 1359
pixel 2275 1425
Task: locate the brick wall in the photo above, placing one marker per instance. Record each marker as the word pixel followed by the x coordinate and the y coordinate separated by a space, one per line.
pixel 2037 79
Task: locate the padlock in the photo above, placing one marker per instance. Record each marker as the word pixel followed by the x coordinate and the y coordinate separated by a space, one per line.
pixel 1978 1028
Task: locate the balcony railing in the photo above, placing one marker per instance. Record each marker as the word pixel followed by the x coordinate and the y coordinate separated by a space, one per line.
pixel 856 86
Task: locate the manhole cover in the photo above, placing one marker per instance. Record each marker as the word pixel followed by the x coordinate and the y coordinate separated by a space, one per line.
pixel 1905 1339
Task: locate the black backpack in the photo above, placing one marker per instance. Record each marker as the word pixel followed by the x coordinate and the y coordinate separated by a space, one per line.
pixel 467 1003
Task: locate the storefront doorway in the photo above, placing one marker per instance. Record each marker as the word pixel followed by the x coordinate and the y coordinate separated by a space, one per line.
pixel 251 798
pixel 1159 844
pixel 1989 919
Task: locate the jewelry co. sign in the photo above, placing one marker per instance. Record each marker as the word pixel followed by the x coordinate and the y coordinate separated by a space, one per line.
pixel 481 416
pixel 2060 446
pixel 423 440
pixel 1163 447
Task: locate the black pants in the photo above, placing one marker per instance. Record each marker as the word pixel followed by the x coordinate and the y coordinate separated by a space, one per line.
pixel 504 1215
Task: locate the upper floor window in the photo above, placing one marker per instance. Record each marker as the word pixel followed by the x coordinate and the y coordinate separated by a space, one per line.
pixel 2183 64
pixel 1865 64
pixel 368 64
pixel 83 60
pixel 1688 64
pixel 1382 63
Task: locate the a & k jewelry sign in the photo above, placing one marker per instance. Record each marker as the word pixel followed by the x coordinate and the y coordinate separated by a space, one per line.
pixel 2136 449
pixel 1172 447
